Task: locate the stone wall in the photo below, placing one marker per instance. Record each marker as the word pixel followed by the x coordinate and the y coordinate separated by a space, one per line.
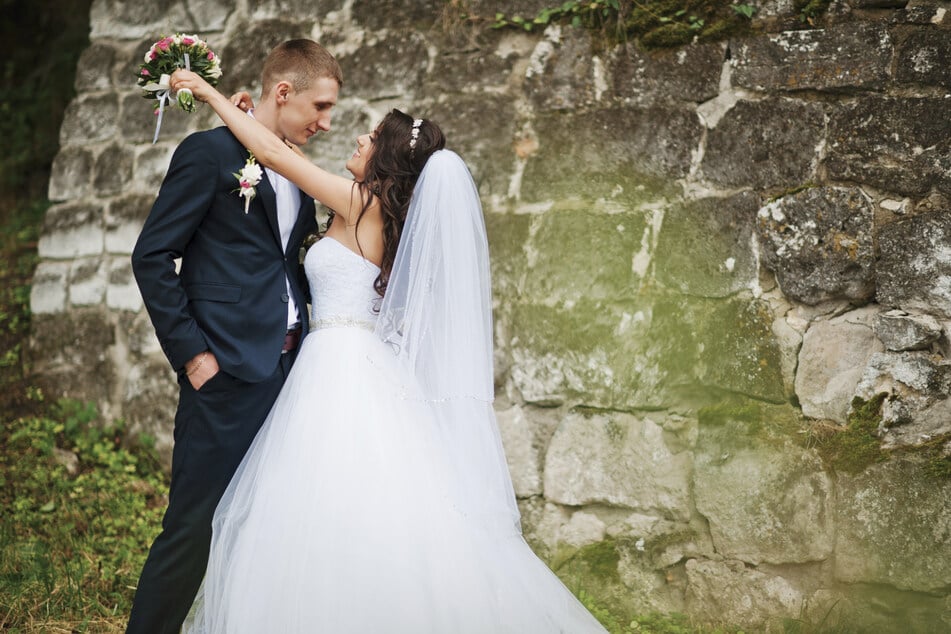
pixel 701 256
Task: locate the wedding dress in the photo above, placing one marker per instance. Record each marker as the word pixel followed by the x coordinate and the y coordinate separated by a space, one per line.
pixel 375 498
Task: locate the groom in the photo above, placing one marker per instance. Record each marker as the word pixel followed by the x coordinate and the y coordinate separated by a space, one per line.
pixel 231 317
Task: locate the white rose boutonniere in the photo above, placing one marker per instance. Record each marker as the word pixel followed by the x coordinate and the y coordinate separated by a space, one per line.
pixel 248 178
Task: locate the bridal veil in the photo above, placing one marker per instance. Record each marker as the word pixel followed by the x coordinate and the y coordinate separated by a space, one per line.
pixel 437 316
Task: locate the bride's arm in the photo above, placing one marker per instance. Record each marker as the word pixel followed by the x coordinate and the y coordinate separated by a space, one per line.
pixel 336 192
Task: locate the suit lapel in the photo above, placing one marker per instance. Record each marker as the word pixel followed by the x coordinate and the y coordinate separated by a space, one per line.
pixel 306 207
pixel 269 201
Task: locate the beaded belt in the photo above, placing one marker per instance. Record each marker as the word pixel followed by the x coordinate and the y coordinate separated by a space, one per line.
pixel 342 322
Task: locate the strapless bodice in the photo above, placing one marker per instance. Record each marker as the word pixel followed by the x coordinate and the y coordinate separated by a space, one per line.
pixel 341 286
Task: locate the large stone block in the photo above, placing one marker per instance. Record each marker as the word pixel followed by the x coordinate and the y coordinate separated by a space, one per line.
pixel 832 360
pixel 729 592
pixel 122 19
pixel 484 60
pixel 71 174
pixel 525 8
pixel 139 118
pixel 687 73
pixel 48 289
pixel 140 337
pixel 113 169
pixel 819 243
pixel 90 119
pixel 393 65
pixel 397 15
pixel 914 265
pixel 520 451
pixel 704 246
pixel 265 10
pixel 122 292
pixel 579 254
pixel 630 154
pixel 877 4
pixel 736 350
pixel 124 219
pixel 508 236
pixel 71 230
pixel 922 58
pixel 72 357
pixel 924 13
pixel 149 400
pixel 243 55
pixel 893 523
pixel 917 409
pixel 619 460
pixel 561 74
pixel 900 331
pixel 151 163
pixel 482 129
pixel 578 354
pixel 877 608
pixel 644 352
pixel 844 56
pixel 93 70
pixel 87 282
pixel 897 144
pixel 765 144
pixel 765 503
pixel 212 15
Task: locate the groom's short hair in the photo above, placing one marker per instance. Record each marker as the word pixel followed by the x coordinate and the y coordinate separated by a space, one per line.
pixel 300 62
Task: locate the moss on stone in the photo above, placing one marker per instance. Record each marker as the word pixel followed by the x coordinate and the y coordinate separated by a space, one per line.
pixel 668 23
pixel 598 560
pixel 734 409
pixel 857 446
pixel 809 10
pixel 654 23
pixel 937 458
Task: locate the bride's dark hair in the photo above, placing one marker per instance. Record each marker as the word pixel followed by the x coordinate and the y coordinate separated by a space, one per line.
pixel 391 174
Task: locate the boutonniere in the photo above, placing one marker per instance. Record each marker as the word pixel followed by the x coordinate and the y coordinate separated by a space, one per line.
pixel 248 178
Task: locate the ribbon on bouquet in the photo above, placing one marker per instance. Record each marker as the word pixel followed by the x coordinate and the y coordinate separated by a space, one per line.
pixel 162 91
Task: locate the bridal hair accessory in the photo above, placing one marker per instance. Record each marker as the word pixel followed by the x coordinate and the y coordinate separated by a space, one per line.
pixel 164 58
pixel 248 178
pixel 414 134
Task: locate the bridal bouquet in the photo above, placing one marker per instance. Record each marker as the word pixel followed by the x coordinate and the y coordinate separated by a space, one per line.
pixel 163 58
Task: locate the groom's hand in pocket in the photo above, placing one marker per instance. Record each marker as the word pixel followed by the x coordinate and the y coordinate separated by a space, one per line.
pixel 201 368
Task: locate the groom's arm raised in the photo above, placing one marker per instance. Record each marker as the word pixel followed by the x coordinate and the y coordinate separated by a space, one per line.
pixel 185 196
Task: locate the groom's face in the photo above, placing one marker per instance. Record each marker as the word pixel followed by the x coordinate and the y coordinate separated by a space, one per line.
pixel 303 113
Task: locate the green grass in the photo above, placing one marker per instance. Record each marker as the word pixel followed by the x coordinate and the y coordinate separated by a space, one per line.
pixel 74 538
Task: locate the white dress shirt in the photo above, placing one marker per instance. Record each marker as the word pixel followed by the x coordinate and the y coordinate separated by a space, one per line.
pixel 288 204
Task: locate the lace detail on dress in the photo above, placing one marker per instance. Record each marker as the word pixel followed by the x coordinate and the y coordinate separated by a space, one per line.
pixel 341 283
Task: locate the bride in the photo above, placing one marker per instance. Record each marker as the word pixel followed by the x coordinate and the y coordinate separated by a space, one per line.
pixel 376 497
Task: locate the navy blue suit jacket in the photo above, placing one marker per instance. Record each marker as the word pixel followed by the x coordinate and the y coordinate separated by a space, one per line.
pixel 229 295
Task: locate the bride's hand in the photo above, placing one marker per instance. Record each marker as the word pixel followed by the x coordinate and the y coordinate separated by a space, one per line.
pixel 242 100
pixel 200 88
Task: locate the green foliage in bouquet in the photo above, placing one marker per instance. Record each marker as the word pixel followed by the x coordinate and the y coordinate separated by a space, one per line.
pixel 171 53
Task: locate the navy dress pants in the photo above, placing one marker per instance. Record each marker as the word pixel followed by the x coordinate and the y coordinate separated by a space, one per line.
pixel 214 427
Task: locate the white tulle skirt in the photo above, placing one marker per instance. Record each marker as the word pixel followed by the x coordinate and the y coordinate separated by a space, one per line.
pixel 344 517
